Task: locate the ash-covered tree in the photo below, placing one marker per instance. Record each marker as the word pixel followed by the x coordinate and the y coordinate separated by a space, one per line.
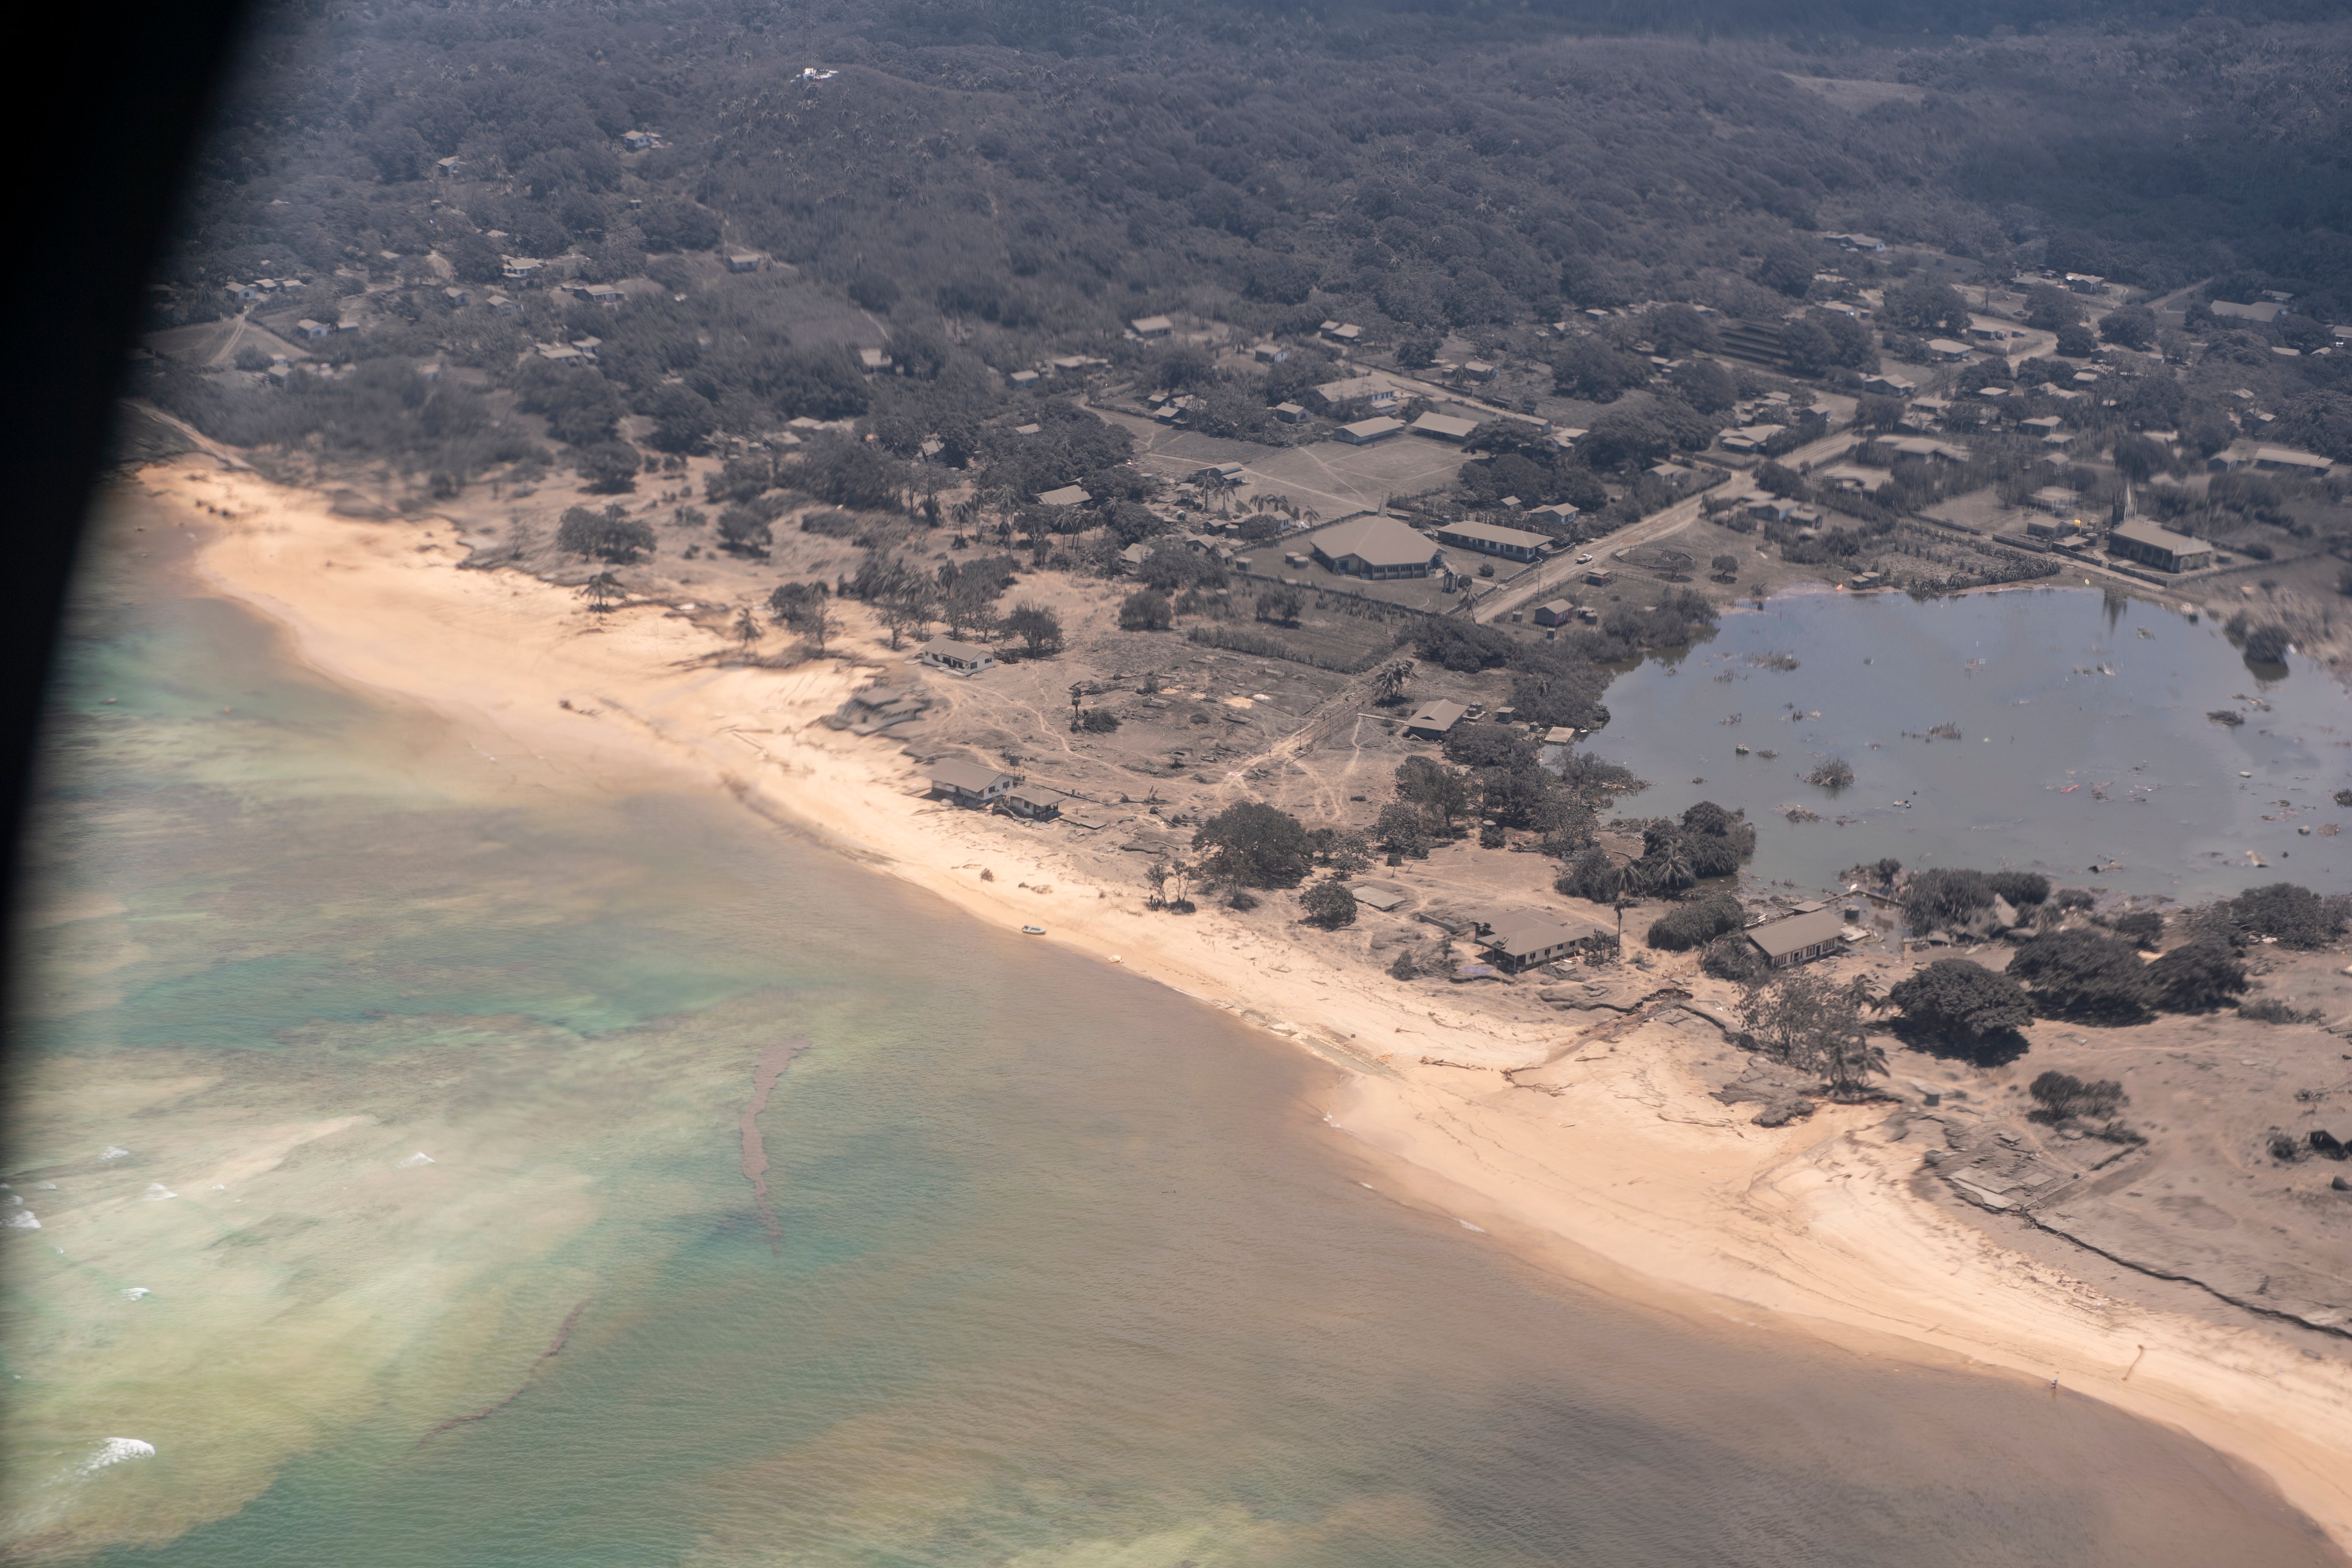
pixel 1403 829
pixel 1690 925
pixel 1389 682
pixel 1252 845
pixel 610 534
pixel 2196 977
pixel 1145 611
pixel 2085 976
pixel 602 592
pixel 1814 1026
pixel 1039 629
pixel 1329 904
pixel 2296 915
pixel 743 531
pixel 607 468
pixel 1959 1004
pixel 1441 793
pixel 1945 896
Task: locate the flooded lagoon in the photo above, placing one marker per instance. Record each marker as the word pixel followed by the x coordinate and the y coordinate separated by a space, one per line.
pixel 2075 733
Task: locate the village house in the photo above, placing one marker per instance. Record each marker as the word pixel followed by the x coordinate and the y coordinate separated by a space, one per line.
pixel 1342 332
pixel 1558 613
pixel 873 362
pixel 310 329
pixel 1375 547
pixel 2057 498
pixel 1435 720
pixel 639 141
pixel 956 657
pixel 1290 413
pixel 2150 543
pixel 1030 803
pixel 1364 432
pixel 450 168
pixel 1068 495
pixel 1559 512
pixel 1510 543
pixel 1924 446
pixel 1374 392
pixel 2260 310
pixel 2084 282
pixel 1854 480
pixel 520 268
pixel 1152 326
pixel 499 304
pixel 1270 353
pixel 970 784
pixel 745 261
pixel 457 296
pixel 2286 459
pixel 1889 385
pixel 1444 427
pixel 1517 941
pixel 1477 370
pixel 1750 439
pixel 603 294
pixel 1946 349
pixel 1798 939
pixel 876 708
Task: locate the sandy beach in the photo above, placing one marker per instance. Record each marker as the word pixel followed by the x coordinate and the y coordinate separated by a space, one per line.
pixel 1616 1168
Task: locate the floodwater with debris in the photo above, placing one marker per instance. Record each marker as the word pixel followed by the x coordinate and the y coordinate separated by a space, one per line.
pixel 407 1168
pixel 2053 729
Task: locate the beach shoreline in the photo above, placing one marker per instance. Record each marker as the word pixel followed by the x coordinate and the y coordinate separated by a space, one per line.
pixel 1626 1176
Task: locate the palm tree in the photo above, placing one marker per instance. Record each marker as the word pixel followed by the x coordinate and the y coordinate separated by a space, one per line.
pixel 1388 684
pixel 1847 1061
pixel 601 592
pixel 747 628
pixel 1673 871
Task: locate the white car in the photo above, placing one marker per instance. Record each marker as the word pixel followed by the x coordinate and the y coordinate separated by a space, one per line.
pixel 1583 560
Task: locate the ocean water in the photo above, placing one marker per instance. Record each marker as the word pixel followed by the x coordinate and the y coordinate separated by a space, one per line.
pixel 384 1120
pixel 2083 742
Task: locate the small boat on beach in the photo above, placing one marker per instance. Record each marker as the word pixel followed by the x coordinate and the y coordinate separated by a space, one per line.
pixel 1033 930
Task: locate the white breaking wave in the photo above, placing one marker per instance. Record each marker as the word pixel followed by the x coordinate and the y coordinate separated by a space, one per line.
pixel 112 1151
pixel 410 1163
pixel 156 1192
pixel 114 1450
pixel 137 1293
pixel 21 1219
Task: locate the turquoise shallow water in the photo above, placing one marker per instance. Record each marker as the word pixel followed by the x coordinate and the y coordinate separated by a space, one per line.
pixel 1066 1270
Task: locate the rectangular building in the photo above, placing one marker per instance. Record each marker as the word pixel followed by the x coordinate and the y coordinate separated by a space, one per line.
pixel 2152 545
pixel 1511 543
pixel 1375 547
pixel 1798 938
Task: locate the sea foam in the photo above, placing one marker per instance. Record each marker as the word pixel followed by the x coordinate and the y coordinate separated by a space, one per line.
pixel 414 1160
pixel 114 1450
pixel 157 1192
pixel 21 1219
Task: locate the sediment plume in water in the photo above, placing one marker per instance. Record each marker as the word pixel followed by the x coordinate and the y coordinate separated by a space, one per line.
pixel 548 1354
pixel 764 1073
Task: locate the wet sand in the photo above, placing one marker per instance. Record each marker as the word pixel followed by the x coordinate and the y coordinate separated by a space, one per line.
pixel 1632 1181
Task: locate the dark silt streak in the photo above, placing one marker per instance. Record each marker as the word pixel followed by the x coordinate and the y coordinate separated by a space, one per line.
pixel 764 1073
pixel 554 1349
